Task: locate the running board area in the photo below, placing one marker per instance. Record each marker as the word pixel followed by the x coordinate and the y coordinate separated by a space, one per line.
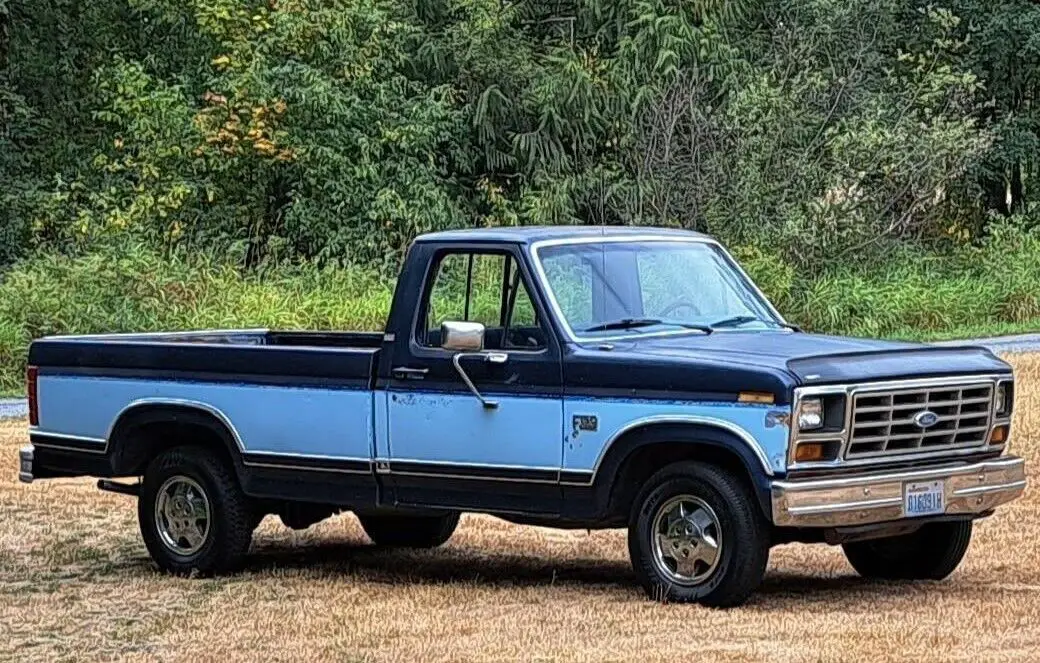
pixel 123 488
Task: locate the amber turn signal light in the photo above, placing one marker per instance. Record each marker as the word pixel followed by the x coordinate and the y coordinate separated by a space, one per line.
pixel 756 397
pixel 808 452
pixel 999 435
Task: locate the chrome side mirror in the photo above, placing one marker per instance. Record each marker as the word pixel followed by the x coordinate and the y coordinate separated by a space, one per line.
pixel 467 340
pixel 462 336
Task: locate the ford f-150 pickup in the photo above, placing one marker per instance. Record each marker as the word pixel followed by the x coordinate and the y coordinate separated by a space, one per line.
pixel 572 377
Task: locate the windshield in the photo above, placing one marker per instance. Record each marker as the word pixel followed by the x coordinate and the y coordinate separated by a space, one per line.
pixel 639 287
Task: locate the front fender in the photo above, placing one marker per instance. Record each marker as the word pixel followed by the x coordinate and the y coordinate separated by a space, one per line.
pixel 651 443
pixel 685 440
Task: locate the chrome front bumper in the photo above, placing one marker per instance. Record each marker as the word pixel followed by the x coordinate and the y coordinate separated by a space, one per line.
pixel 25 464
pixel 875 498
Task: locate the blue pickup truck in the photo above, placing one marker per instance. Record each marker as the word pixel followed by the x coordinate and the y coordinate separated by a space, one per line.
pixel 570 377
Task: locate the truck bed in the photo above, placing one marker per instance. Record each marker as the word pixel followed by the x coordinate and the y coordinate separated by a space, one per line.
pixel 295 358
pixel 284 398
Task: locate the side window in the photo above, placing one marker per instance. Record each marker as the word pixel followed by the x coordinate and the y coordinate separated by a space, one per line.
pixel 522 330
pixel 524 314
pixel 448 295
pixel 484 288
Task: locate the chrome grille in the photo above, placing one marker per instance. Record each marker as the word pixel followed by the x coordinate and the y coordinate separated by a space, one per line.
pixel 883 422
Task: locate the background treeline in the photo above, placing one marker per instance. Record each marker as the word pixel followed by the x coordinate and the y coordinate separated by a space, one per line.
pixel 172 163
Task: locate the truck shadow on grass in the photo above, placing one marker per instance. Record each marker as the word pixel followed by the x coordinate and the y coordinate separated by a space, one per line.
pixel 439 566
pixel 454 565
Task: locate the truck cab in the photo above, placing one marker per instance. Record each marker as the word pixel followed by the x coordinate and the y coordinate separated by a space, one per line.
pixel 573 377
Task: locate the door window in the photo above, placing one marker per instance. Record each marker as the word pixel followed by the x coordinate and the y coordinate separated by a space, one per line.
pixel 482 287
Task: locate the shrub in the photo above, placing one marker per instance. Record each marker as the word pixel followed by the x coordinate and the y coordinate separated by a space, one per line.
pixel 988 288
pixel 976 290
pixel 139 291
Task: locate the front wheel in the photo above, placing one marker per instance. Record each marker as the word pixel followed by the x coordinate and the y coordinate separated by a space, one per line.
pixel 409 531
pixel 696 535
pixel 930 553
pixel 193 515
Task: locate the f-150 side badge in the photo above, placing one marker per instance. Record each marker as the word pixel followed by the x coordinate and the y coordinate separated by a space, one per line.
pixel 585 422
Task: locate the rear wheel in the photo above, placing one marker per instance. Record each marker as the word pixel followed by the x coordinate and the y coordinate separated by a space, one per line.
pixel 410 531
pixel 931 553
pixel 696 535
pixel 193 515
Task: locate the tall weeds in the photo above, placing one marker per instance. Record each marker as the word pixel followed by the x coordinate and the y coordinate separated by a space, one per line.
pixel 980 290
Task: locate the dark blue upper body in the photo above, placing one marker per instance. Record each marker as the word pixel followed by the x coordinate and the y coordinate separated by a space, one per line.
pixel 722 363
pixel 772 361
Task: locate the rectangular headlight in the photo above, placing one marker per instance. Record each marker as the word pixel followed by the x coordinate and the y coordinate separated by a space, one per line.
pixel 810 414
pixel 1005 398
pixel 817 428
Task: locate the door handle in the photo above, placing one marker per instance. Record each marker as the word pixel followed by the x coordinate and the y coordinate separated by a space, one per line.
pixel 409 373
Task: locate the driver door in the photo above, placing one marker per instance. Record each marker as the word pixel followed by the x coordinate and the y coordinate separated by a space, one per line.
pixel 447 447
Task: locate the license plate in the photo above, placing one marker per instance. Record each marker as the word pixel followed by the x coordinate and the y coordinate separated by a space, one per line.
pixel 923 498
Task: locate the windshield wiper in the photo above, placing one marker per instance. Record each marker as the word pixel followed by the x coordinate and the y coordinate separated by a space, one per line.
pixel 635 323
pixel 737 320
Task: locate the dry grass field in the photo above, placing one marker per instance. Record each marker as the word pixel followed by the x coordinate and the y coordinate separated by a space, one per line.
pixel 76 584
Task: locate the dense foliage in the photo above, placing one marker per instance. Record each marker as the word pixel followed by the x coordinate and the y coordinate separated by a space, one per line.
pixel 268 131
pixel 200 163
pixel 990 288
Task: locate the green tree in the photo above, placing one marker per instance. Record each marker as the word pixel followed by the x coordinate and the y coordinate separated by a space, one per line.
pixel 1003 48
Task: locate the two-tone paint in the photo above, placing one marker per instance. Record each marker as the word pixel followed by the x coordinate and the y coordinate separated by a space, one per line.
pixel 363 420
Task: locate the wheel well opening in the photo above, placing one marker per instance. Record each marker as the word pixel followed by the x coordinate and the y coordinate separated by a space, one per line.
pixel 139 442
pixel 647 459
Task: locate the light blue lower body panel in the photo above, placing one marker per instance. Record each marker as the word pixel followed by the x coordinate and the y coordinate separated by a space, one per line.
pixel 335 423
pixel 454 428
pixel 538 432
pixel 757 426
pixel 523 432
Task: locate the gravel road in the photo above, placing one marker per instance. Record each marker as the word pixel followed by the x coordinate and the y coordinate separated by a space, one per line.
pixel 1002 344
pixel 10 408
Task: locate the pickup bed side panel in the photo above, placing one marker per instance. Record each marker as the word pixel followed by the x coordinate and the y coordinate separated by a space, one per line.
pixel 268 421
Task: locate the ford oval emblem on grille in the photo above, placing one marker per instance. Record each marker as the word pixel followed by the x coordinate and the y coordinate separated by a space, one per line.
pixel 926 419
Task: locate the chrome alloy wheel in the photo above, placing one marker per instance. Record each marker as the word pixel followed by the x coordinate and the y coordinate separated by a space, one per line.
pixel 687 540
pixel 182 515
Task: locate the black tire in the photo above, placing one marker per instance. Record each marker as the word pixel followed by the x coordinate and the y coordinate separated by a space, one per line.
pixel 232 517
pixel 931 553
pixel 740 530
pixel 409 531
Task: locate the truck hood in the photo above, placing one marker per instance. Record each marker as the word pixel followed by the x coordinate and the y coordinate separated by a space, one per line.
pixel 801 359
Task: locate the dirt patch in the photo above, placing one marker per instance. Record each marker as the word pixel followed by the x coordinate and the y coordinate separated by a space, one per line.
pixel 76 583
